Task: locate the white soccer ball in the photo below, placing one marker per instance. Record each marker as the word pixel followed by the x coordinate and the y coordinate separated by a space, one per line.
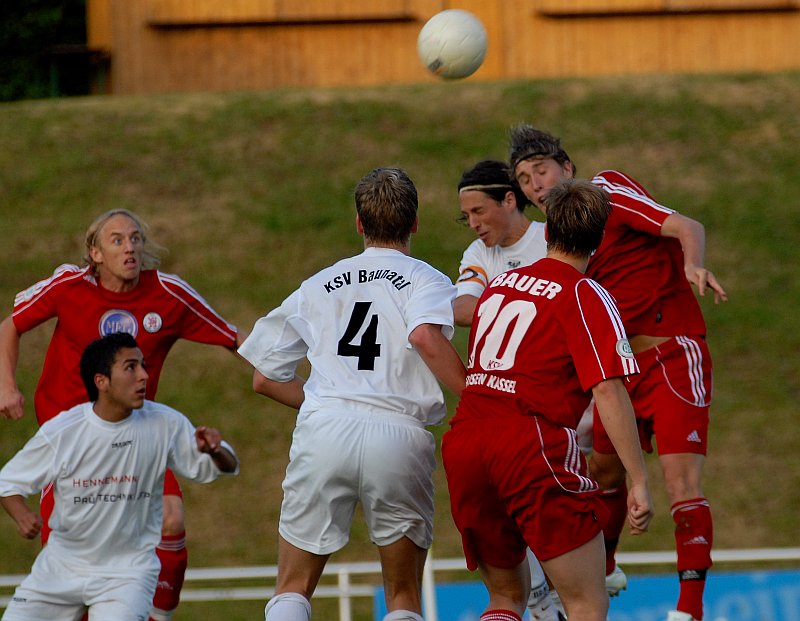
pixel 452 44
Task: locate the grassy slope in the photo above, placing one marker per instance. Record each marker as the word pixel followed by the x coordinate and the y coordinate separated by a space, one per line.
pixel 252 192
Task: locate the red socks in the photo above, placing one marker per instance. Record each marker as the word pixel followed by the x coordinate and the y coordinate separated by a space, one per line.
pixel 694 535
pixel 616 501
pixel 174 559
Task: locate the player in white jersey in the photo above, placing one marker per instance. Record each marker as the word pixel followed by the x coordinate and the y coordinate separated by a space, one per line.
pixel 106 459
pixel 493 206
pixel 375 328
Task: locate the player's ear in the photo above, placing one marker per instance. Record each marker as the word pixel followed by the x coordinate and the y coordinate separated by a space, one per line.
pixel 416 225
pixel 359 226
pixel 509 200
pixel 95 254
pixel 101 381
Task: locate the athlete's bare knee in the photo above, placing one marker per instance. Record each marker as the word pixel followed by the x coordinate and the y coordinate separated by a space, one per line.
pixel 172 522
pixel 682 476
pixel 681 488
pixel 607 470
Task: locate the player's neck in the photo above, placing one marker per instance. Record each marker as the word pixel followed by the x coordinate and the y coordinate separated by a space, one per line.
pixel 517 230
pixel 110 411
pixel 579 263
pixel 114 284
pixel 404 248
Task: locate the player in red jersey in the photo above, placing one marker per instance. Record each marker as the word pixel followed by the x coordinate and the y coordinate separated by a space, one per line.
pixel 544 340
pixel 649 259
pixel 119 290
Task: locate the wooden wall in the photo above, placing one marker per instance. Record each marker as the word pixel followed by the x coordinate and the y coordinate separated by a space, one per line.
pixel 194 45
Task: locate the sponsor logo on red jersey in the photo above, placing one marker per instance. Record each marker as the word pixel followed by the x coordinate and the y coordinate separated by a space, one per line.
pixel 117 320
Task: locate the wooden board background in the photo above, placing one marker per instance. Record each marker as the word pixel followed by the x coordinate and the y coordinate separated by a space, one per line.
pixel 213 45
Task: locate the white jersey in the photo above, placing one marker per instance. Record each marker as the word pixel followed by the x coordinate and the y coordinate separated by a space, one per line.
pixel 481 263
pixel 352 321
pixel 108 483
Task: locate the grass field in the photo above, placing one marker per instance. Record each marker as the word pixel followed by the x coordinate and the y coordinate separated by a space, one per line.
pixel 253 192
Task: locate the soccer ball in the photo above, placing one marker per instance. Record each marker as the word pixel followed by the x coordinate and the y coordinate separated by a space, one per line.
pixel 452 44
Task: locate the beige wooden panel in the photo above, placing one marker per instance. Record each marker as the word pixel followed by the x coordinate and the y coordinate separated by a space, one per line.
pixel 571 7
pixel 187 12
pixel 200 11
pixel 296 55
pixel 341 9
pixel 99 24
pixel 128 56
pixel 523 43
pixel 730 5
pixel 595 7
pixel 667 44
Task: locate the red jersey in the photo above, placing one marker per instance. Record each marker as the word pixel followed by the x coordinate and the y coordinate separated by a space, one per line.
pixel 161 309
pixel 640 268
pixel 542 337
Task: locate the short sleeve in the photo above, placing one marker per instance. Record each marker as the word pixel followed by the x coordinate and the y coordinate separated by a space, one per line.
pixel 432 302
pixel 30 469
pixel 472 273
pixel 597 339
pixel 274 347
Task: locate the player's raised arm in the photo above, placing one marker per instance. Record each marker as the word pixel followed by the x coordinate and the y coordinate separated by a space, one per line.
pixel 692 236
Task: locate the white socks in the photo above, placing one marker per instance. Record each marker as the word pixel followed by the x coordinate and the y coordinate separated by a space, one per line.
pixel 288 607
pixel 403 615
pixel 161 615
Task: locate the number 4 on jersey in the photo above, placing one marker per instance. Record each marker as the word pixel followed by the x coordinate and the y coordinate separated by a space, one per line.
pixel 368 349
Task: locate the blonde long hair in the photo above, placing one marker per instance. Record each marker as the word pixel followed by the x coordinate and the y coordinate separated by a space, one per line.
pixel 151 258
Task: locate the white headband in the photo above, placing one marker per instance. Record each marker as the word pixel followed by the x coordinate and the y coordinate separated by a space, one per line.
pixel 491 186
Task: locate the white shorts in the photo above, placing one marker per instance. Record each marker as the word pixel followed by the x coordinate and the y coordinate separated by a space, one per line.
pixel 56 592
pixel 383 461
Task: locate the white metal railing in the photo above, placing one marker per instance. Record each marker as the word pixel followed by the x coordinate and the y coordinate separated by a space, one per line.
pixel 345 591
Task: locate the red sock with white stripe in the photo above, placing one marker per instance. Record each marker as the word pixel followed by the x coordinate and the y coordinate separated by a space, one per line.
pixel 174 558
pixel 500 615
pixel 694 536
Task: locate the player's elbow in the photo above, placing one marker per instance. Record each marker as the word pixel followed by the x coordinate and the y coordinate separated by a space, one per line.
pixel 261 384
pixel 463 309
pixel 462 319
pixel 425 337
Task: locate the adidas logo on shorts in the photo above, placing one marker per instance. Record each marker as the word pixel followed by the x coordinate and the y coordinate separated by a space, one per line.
pixel 694 437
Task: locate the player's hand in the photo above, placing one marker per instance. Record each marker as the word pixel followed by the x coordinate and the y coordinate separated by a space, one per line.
pixel 640 509
pixel 208 439
pixel 12 404
pixel 29 524
pixel 703 279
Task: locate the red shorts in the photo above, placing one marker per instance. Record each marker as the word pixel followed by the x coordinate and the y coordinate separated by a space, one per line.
pixel 671 398
pixel 171 488
pixel 519 482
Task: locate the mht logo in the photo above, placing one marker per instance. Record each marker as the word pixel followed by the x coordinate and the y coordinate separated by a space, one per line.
pixel 118 321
